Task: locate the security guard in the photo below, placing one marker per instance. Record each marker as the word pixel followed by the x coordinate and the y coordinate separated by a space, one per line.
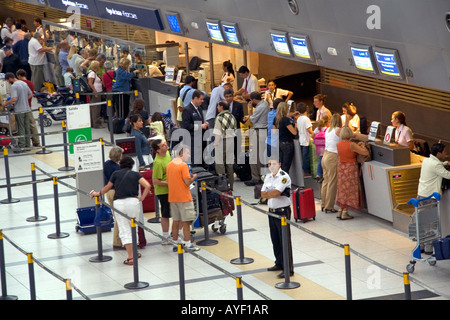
pixel 277 188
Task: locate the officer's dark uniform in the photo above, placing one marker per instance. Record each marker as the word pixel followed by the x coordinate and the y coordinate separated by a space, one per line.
pixel 280 206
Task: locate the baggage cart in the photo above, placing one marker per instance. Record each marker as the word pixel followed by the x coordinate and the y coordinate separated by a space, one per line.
pixel 88 219
pixel 424 228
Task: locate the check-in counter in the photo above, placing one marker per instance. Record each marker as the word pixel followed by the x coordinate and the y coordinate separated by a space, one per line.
pixel 390 181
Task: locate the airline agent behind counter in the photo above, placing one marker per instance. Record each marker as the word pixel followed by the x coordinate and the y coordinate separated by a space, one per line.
pixel 276 189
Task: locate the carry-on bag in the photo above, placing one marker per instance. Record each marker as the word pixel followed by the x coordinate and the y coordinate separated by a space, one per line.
pixel 303 204
pixel 148 205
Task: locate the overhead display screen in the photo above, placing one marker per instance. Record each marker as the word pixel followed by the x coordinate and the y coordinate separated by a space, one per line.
pixel 86 7
pixel 388 61
pixel 174 21
pixel 362 56
pixel 146 18
pixel 231 32
pixel 214 30
pixel 301 46
pixel 280 43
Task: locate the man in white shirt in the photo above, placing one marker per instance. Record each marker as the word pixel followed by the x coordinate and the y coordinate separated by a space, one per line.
pixel 433 171
pixel 276 188
pixel 305 132
pixel 37 59
pixel 249 85
pixel 7 29
pixel 217 94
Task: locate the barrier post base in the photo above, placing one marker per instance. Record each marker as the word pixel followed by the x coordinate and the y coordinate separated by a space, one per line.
pixel 36 219
pixel 8 201
pixel 207 242
pixel 242 261
pixel 100 259
pixel 43 151
pixel 8 297
pixel 66 169
pixel 136 285
pixel 58 235
pixel 154 220
pixel 287 285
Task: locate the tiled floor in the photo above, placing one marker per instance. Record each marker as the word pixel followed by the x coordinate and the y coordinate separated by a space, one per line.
pixel 318 254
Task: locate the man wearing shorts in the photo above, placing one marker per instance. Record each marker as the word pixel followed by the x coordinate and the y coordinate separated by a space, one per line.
pixel 159 177
pixel 181 203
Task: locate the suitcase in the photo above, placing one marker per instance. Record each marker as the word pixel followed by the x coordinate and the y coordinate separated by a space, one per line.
pixel 227 204
pixel 442 248
pixel 242 170
pixel 117 125
pixel 148 205
pixel 86 220
pixel 303 204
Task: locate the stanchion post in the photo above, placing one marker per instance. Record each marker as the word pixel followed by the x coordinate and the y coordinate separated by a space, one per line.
pixel 66 153
pixel 4 295
pixel 287 284
pixel 181 272
pixel 157 218
pixel 31 276
pixel 41 125
pixel 206 241
pixel 109 112
pixel 58 234
pixel 348 272
pixel 241 259
pixel 407 286
pixel 240 295
pixel 68 289
pixel 10 199
pixel 36 217
pixel 100 257
pixel 136 284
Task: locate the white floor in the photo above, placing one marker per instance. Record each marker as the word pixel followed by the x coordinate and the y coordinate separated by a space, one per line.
pixel 318 254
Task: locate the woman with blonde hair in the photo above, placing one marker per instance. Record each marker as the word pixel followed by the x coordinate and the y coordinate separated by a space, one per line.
pixel 348 191
pixel 287 129
pixel 122 83
pixel 330 161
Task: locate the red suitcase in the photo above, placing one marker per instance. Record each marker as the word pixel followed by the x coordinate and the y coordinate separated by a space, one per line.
pixel 303 204
pixel 148 205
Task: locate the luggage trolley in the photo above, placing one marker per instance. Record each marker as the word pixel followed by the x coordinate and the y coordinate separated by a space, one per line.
pixel 427 227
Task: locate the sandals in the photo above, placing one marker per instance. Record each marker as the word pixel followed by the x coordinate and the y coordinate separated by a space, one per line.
pixel 330 210
pixel 129 261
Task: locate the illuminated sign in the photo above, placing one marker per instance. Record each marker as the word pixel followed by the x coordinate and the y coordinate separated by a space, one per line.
pixel 362 57
pixel 174 22
pixel 146 18
pixel 388 61
pixel 301 46
pixel 231 33
pixel 280 43
pixel 214 30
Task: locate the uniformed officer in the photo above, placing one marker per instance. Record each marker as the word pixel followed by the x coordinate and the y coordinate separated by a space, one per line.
pixel 276 189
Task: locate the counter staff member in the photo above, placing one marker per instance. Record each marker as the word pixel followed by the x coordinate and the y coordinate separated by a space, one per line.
pixel 249 85
pixel 403 134
pixel 274 93
pixel 276 189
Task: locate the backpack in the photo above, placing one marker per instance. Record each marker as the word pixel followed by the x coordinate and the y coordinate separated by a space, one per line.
pixel 85 84
pixel 319 141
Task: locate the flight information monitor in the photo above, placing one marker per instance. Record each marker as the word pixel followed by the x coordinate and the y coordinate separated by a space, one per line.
pixel 388 61
pixel 280 43
pixel 301 47
pixel 362 57
pixel 214 30
pixel 231 32
pixel 174 21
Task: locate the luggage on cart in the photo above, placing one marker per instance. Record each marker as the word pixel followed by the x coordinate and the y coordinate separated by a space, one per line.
pixel 226 203
pixel 425 228
pixel 303 204
pixel 88 219
pixel 148 205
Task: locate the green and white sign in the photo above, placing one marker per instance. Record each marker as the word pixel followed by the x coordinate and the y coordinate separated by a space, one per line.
pixel 78 124
pixel 79 135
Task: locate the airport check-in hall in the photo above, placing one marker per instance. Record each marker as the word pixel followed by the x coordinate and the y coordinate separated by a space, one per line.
pixel 349 102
